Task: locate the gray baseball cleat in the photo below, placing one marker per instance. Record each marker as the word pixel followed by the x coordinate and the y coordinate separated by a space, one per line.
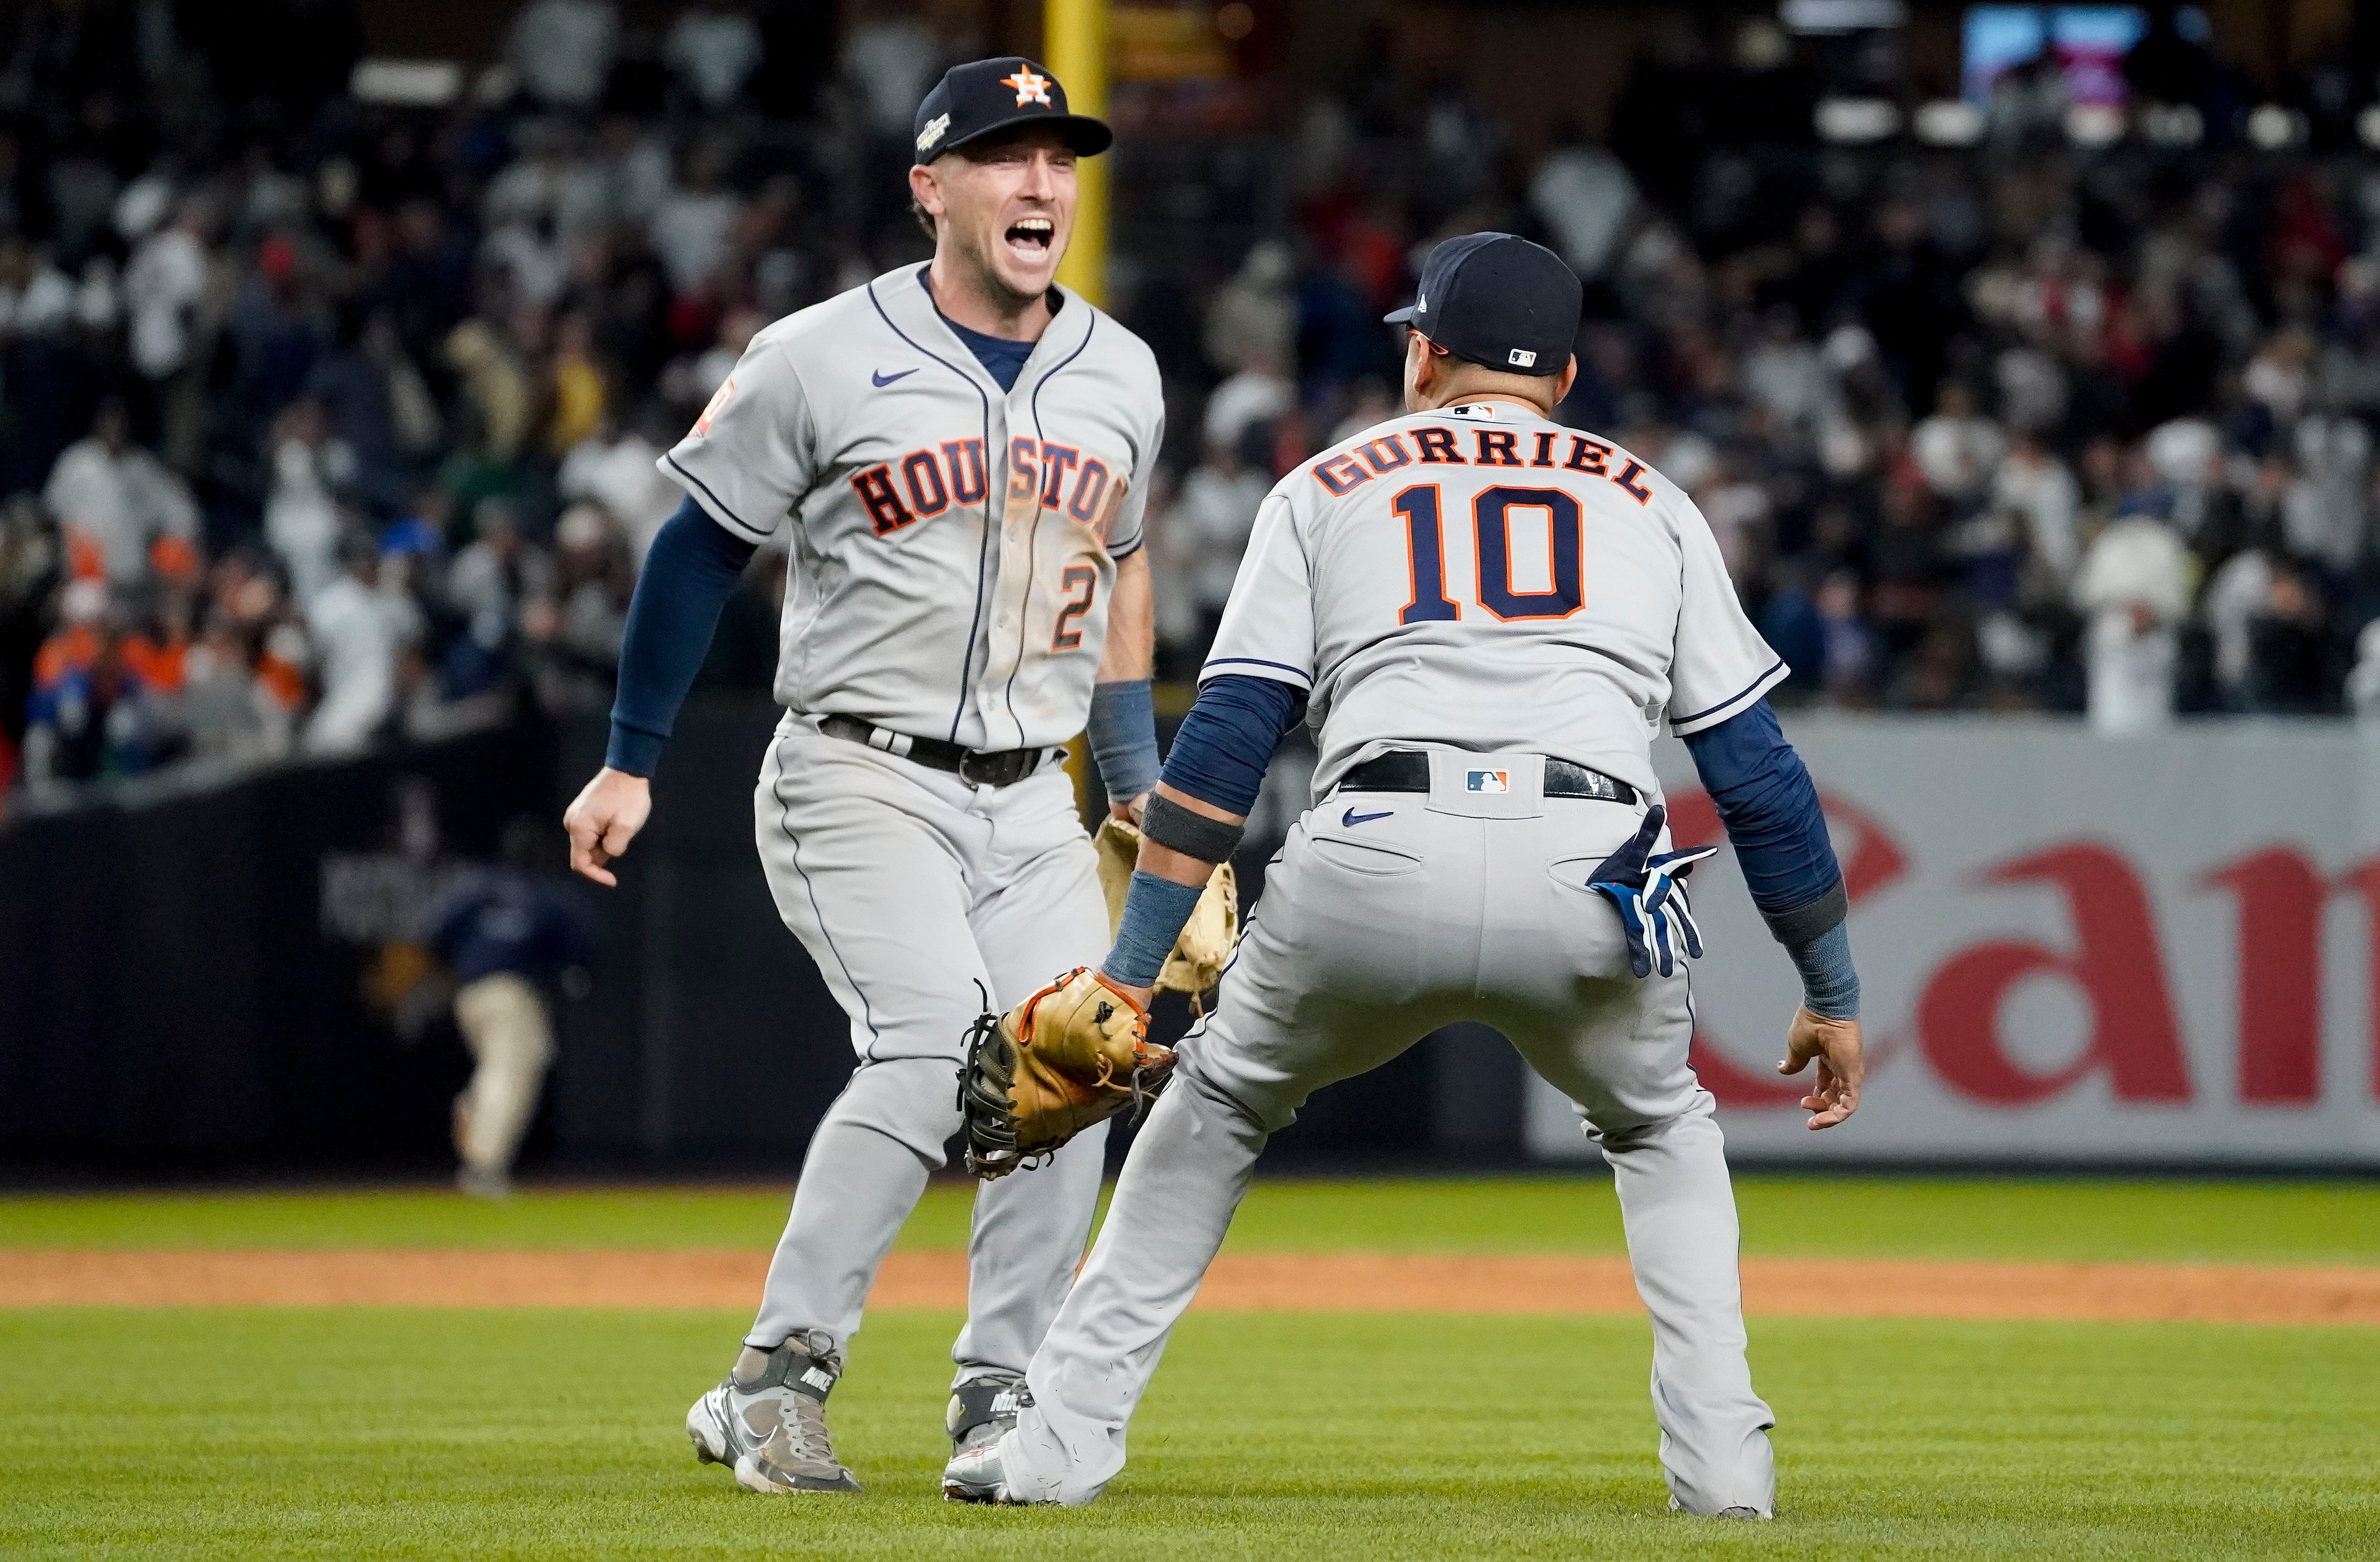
pixel 767 1420
pixel 975 1475
pixel 980 1412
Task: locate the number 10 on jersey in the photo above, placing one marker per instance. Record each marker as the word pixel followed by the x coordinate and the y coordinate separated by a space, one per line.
pixel 1492 536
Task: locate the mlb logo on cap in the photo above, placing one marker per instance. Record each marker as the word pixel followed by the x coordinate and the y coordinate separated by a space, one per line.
pixel 1489 781
pixel 1524 359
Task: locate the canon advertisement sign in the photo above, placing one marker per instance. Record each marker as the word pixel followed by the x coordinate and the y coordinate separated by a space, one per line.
pixel 2160 950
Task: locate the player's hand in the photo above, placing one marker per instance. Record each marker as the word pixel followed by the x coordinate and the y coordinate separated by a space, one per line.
pixel 1130 812
pixel 1835 1044
pixel 605 817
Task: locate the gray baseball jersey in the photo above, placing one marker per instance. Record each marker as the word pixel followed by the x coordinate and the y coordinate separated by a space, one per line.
pixel 1582 591
pixel 915 485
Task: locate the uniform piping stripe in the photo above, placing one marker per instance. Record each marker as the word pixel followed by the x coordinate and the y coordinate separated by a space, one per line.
pixel 719 504
pixel 784 815
pixel 1773 668
pixel 1033 538
pixel 983 552
pixel 1299 674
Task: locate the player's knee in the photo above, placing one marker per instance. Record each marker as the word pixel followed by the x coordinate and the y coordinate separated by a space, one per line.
pixel 1250 1105
pixel 912 1100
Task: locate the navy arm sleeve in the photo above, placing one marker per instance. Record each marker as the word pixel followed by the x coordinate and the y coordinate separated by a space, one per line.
pixel 1219 757
pixel 1219 754
pixel 1770 808
pixel 692 564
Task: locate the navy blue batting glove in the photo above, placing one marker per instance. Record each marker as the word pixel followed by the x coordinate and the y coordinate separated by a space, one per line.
pixel 1647 892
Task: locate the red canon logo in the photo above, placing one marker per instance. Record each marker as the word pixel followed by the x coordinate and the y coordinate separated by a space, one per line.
pixel 2116 963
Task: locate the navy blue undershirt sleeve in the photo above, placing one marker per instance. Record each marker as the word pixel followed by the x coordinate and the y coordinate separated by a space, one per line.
pixel 1219 754
pixel 692 566
pixel 1770 808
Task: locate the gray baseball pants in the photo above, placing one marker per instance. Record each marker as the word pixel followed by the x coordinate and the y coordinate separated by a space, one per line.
pixel 919 895
pixel 1387 916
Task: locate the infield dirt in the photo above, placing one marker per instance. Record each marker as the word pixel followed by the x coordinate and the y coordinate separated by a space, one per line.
pixel 1246 1282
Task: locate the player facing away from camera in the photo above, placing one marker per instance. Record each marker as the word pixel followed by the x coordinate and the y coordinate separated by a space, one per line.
pixel 958 456
pixel 1490 615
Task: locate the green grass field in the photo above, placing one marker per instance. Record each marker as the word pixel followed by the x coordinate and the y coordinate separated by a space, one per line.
pixel 419 1434
pixel 2176 1221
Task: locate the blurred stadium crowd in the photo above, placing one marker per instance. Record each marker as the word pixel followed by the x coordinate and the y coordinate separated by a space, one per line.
pixel 325 421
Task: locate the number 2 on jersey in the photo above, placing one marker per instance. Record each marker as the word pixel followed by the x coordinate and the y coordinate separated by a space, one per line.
pixel 1082 578
pixel 1492 536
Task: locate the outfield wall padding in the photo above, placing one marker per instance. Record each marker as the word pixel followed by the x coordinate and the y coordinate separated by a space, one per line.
pixel 2072 949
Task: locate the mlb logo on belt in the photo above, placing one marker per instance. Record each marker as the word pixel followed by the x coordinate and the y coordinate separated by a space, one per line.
pixel 1487 781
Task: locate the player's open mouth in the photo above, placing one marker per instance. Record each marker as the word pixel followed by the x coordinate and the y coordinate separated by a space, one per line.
pixel 1032 233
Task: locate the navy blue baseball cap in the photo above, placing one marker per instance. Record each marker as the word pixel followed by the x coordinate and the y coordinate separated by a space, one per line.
pixel 986 97
pixel 1496 300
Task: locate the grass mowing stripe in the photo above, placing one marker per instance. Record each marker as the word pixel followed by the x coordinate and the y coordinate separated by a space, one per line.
pixel 2241 1222
pixel 389 1433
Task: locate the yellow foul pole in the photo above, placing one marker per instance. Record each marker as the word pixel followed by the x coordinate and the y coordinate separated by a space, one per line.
pixel 1074 42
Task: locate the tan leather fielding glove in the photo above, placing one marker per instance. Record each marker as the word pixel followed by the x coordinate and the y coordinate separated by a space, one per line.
pixel 1069 1057
pixel 1208 938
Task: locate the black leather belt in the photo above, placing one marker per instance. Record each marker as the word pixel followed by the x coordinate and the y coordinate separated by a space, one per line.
pixel 977 767
pixel 1408 770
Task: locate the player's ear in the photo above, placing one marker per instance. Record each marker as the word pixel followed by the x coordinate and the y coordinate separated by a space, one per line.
pixel 924 189
pixel 1421 366
pixel 1567 377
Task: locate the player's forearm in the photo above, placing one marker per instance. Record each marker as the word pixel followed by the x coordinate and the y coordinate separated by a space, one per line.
pixel 1129 652
pixel 1196 814
pixel 1770 808
pixel 1123 724
pixel 692 566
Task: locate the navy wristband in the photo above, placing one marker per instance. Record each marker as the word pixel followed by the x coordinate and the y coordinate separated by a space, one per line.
pixel 1831 987
pixel 1122 733
pixel 1154 912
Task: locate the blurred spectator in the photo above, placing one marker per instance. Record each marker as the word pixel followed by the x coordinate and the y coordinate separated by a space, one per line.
pixel 1585 197
pixel 892 60
pixel 122 514
pixel 562 50
pixel 618 468
pixel 91 713
pixel 2287 646
pixel 2134 589
pixel 312 474
pixel 714 48
pixel 690 228
pixel 1210 524
pixel 1957 449
pixel 380 409
pixel 230 714
pixel 577 625
pixel 1253 399
pixel 357 646
pixel 1252 318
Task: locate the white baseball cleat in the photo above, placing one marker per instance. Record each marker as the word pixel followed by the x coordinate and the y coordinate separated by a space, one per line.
pixel 768 1420
pixel 976 1476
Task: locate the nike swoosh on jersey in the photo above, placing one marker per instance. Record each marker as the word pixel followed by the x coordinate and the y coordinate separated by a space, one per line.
pixel 1352 817
pixel 882 379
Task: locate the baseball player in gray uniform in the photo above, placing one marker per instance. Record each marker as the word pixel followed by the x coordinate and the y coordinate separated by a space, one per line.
pixel 958 456
pixel 1491 616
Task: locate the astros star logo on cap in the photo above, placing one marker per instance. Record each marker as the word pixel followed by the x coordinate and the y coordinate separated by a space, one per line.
pixel 1030 88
